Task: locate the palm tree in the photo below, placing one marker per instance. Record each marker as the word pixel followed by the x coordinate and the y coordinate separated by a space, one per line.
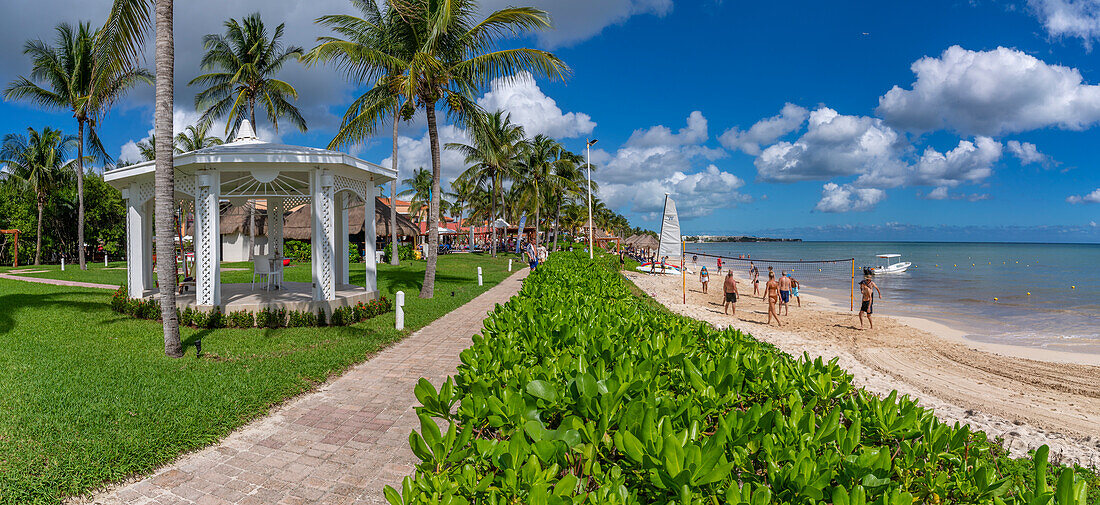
pixel 148 148
pixel 243 63
pixel 545 168
pixel 464 192
pixel 38 162
pixel 195 137
pixel 491 155
pixel 123 37
pixel 454 54
pixel 420 191
pixel 571 182
pixel 369 41
pixel 78 75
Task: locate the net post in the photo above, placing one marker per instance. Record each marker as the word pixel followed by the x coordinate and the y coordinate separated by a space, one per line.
pixel 852 298
pixel 683 273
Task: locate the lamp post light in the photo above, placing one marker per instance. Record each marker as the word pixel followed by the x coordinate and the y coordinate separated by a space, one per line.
pixel 591 245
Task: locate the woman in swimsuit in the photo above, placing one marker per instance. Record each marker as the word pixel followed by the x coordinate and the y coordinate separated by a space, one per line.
pixel 704 277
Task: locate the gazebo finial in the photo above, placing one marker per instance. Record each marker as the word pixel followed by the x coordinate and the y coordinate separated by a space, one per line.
pixel 245 132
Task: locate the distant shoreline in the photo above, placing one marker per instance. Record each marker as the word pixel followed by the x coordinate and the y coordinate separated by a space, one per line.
pixel 738 238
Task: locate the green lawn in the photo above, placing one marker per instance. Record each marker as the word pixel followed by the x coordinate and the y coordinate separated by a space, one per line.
pixel 87 396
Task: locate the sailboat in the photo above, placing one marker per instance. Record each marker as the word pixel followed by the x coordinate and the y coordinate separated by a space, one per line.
pixel 670 246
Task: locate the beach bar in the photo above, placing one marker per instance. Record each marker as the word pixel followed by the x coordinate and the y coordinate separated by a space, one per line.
pixel 285 177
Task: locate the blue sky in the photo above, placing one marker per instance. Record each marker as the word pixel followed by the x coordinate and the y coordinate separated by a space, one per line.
pixel 850 120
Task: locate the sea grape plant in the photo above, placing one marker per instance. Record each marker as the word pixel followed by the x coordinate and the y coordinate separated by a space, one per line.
pixel 577 391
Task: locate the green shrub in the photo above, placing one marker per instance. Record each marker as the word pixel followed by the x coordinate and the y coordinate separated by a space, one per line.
pixel 343 316
pixel 320 320
pixel 404 251
pixel 241 319
pixel 300 319
pixel 354 255
pixel 271 318
pixel 186 316
pixel 576 391
pixel 297 250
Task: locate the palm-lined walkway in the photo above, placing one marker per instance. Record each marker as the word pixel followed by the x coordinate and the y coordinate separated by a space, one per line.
pixel 341 444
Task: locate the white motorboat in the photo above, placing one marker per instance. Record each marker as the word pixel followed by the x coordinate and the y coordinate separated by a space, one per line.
pixel 892 267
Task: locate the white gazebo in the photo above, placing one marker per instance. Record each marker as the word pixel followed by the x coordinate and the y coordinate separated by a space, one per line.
pixel 251 169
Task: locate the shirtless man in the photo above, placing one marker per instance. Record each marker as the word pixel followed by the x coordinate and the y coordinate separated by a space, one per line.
pixel 785 293
pixel 867 288
pixel 794 290
pixel 729 286
pixel 771 294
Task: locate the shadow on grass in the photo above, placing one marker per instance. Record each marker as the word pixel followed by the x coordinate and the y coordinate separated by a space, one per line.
pixel 12 304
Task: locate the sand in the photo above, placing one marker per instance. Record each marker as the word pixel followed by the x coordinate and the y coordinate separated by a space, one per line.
pixel 1028 397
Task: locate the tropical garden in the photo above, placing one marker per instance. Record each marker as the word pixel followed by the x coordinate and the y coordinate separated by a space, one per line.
pixel 578 390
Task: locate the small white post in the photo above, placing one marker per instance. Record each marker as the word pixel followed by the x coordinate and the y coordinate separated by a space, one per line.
pixel 104 260
pixel 509 264
pixel 399 319
pixel 478 276
pixel 62 263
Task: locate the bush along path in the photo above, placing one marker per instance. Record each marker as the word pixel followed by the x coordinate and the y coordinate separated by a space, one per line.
pixel 577 391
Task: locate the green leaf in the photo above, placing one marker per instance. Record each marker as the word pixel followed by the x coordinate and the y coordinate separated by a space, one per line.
pixel 586 385
pixel 542 390
pixel 392 495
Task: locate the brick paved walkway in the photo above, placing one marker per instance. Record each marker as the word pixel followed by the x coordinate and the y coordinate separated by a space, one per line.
pixel 57 282
pixel 339 445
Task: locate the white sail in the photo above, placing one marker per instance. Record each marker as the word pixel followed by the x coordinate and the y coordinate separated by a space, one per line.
pixel 670 232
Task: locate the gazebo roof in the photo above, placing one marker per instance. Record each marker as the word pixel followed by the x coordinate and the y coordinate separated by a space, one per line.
pixel 264 160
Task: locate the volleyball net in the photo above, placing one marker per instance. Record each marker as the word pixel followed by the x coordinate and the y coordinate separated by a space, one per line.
pixel 830 273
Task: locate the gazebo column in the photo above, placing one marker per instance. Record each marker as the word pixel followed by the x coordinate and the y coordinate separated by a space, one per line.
pixel 341 227
pixel 207 238
pixel 275 227
pixel 137 243
pixel 324 235
pixel 370 239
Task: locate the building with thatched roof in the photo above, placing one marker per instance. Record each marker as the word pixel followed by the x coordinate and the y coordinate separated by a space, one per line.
pixel 297 226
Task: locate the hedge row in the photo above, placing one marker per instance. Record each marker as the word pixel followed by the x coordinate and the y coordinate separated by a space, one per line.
pixel 578 392
pixel 268 318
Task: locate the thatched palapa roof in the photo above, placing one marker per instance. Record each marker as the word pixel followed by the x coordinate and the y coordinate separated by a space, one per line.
pixel 297 225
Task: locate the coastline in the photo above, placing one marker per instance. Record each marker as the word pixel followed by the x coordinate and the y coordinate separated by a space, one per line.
pixel 1026 396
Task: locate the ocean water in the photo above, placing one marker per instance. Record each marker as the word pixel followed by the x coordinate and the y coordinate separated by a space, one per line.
pixel 956 283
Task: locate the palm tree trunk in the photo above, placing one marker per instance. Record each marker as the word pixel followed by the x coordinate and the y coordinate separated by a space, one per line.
pixel 536 216
pixel 394 260
pixel 164 182
pixel 80 195
pixel 557 225
pixel 493 215
pixel 427 290
pixel 38 237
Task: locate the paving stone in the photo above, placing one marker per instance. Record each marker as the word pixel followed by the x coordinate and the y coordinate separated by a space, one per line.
pixel 340 444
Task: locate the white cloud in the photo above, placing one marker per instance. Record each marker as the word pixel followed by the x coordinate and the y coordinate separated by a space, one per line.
pixel 837 145
pixel 1093 197
pixel 991 93
pixel 697 194
pixel 833 145
pixel 531 108
pixel 653 152
pixel 1027 153
pixel 968 163
pixel 414 153
pixel 1069 18
pixel 941 193
pixel 765 131
pixel 578 20
pixel 846 198
pixel 181 119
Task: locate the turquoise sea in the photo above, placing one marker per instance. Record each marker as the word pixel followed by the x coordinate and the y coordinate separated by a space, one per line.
pixel 956 283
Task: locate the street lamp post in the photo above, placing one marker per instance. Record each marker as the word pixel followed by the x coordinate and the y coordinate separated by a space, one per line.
pixel 591 245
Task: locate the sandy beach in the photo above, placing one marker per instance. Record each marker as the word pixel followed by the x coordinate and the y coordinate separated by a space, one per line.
pixel 1026 396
